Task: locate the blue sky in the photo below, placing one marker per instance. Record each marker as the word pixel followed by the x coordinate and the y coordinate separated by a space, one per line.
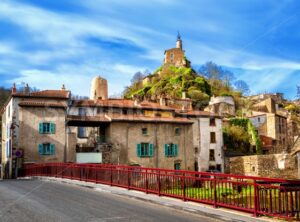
pixel 47 43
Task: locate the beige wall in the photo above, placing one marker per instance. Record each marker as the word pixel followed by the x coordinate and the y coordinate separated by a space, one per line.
pixel 29 136
pixel 272 165
pixel 125 137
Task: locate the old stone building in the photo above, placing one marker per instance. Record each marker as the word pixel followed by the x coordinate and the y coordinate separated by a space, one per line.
pixel 273 165
pixel 33 125
pixel 132 133
pixel 221 105
pixel 207 139
pixel 99 88
pixel 175 56
pixel 271 125
pixel 50 126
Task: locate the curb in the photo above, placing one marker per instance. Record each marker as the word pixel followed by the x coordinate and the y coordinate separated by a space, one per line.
pixel 190 207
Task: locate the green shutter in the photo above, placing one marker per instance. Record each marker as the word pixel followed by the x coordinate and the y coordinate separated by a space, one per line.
pixel 52 128
pixel 151 149
pixel 40 147
pixel 40 127
pixel 175 150
pixel 52 149
pixel 166 149
pixel 138 150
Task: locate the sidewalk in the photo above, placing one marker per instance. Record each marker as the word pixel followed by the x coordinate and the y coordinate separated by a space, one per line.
pixel 206 210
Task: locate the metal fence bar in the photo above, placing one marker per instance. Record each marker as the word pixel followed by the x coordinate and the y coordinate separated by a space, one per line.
pixel 256 195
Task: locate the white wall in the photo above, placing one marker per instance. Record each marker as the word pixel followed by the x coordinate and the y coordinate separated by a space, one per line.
pixel 257 121
pixel 203 157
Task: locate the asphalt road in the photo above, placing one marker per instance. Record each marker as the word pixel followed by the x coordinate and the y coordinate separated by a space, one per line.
pixel 34 200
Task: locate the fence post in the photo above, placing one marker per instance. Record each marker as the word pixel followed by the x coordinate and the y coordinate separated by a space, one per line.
pixel 255 214
pixel 128 179
pixel 215 191
pixel 146 181
pixel 183 186
pixel 158 176
pixel 111 176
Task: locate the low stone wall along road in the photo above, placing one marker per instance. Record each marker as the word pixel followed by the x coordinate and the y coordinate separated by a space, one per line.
pixel 34 200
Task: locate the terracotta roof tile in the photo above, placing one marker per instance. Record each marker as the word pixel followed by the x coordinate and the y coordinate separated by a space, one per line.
pixel 141 118
pixel 63 94
pixel 98 118
pixel 33 103
pixel 127 118
pixel 195 113
pixel 122 103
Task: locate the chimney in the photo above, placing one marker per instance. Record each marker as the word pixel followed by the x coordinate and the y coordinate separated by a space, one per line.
pixel 136 102
pixel 14 89
pixel 63 87
pixel 26 89
pixel 162 101
pixel 183 95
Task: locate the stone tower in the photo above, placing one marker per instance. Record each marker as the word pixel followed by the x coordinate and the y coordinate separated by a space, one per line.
pixel 99 89
pixel 179 42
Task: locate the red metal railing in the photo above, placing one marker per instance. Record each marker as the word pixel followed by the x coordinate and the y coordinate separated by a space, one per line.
pixel 257 195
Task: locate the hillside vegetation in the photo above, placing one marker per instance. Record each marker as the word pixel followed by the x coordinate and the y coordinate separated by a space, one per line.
pixel 173 81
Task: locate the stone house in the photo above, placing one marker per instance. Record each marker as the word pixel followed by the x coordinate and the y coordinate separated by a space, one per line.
pixel 131 133
pixel 33 125
pixel 207 139
pixel 272 165
pixel 49 126
pixel 221 105
pixel 273 126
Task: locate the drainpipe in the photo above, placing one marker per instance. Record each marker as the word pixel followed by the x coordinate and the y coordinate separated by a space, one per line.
pixel 127 137
pixel 199 149
pixel 156 146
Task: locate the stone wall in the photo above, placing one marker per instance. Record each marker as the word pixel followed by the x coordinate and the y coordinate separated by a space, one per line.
pixel 126 136
pixel 272 165
pixel 29 136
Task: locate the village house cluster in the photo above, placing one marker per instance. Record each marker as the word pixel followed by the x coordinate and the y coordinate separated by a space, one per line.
pixel 52 126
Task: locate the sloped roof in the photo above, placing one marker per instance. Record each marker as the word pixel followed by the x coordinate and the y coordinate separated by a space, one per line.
pixel 141 118
pixel 60 94
pixel 121 103
pixel 196 113
pixel 113 117
pixel 34 103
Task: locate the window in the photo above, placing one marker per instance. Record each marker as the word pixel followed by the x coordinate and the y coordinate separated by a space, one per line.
pixel 177 166
pixel 8 111
pixel 81 132
pixel 219 167
pixel 82 112
pixel 177 131
pixel 124 111
pixel 172 56
pixel 144 131
pixel 258 119
pixel 211 167
pixel 211 155
pixel 46 149
pixel 212 122
pixel 144 150
pixel 212 137
pixel 47 128
pixel 171 150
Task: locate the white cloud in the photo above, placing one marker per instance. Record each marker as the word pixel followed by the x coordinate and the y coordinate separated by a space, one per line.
pixel 77 78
